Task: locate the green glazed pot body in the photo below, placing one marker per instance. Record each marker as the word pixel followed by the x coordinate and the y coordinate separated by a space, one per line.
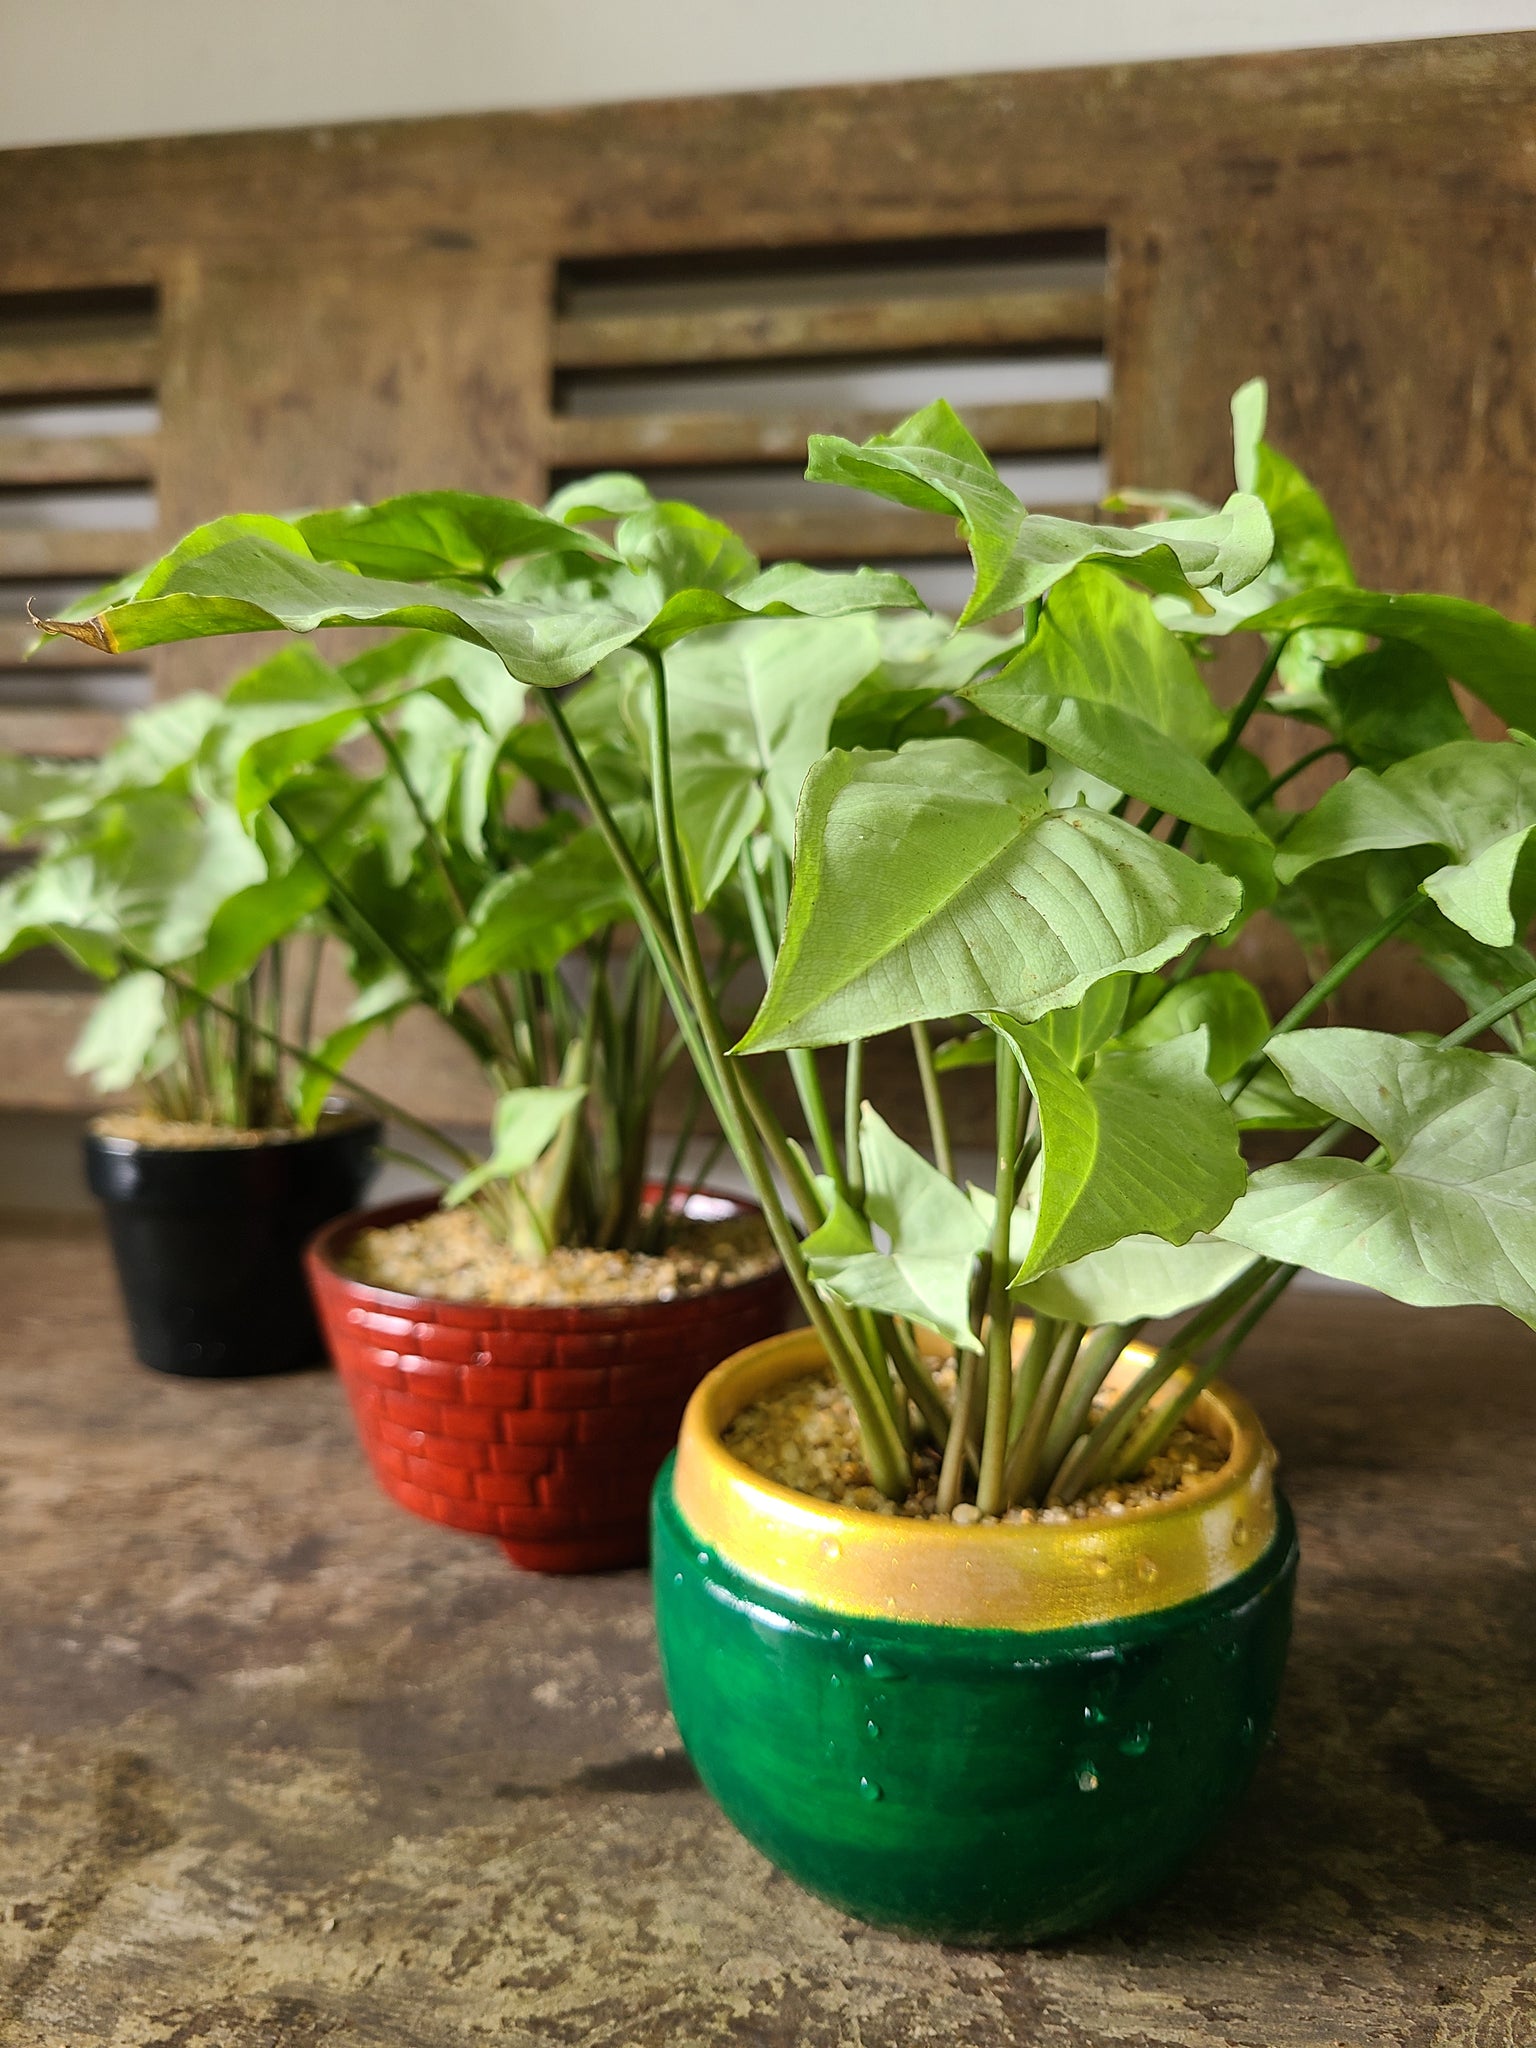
pixel 971 1785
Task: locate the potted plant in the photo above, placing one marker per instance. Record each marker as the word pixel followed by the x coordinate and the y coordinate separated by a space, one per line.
pixel 214 1184
pixel 533 1396
pixel 996 1663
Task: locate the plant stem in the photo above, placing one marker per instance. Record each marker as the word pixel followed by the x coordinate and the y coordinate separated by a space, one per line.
pixel 1095 1453
pixel 1044 1331
pixel 1320 992
pixel 304 1058
pixel 1157 1425
pixel 933 1101
pixel 853 1095
pixel 1222 752
pixel 915 1377
pixel 952 1467
pixel 873 1403
pixel 994 1441
pixel 1023 1465
pixel 1092 1367
pixel 801 1060
pixel 1278 782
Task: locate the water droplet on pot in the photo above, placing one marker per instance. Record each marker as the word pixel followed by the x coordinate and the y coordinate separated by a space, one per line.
pixel 1239 1532
pixel 1087 1778
pixel 704 1558
pixel 869 1790
pixel 677 1578
pixel 1250 1728
pixel 1094 1714
pixel 1098 1565
pixel 833 1678
pixel 831 1550
pixel 882 1667
pixel 872 1730
pixel 1145 1568
pixel 1138 1741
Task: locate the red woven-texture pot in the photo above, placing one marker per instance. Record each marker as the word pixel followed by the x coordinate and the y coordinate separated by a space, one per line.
pixel 543 1427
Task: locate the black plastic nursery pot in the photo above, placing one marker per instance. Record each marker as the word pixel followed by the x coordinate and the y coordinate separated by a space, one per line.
pixel 208 1242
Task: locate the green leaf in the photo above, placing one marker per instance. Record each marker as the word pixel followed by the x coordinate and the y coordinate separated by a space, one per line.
pixel 683 548
pixel 375 1006
pixel 936 881
pixel 1226 1006
pixel 1475 800
pixel 532 918
pixel 1490 655
pixel 276 718
pixel 1269 1103
pixel 751 708
pixel 932 463
pixel 1391 703
pixel 1144 1146
pixel 431 534
pixel 254 918
pixel 933 1232
pixel 254 584
pixel 1100 640
pixel 1139 1276
pixel 128 1036
pixel 1451 1217
pixel 612 494
pixel 1308 550
pixel 526 1122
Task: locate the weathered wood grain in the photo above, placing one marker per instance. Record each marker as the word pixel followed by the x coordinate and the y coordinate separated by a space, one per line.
pixel 76 459
pixel 44 552
pixel 656 438
pixel 354 310
pixel 860 327
pixel 93 366
pixel 287 1766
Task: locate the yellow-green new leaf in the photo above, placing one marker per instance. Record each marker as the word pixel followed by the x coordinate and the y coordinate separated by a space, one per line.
pixel 1145 1145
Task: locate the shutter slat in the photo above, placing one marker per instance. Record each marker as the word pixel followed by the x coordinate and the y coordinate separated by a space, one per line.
pixel 859 327
pixel 98 364
pixel 77 459
pixel 43 552
pixel 639 440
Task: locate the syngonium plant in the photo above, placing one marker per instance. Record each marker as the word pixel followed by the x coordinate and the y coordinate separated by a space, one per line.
pixel 1041 835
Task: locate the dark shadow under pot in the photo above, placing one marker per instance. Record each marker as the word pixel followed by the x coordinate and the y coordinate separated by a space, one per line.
pixel 208 1242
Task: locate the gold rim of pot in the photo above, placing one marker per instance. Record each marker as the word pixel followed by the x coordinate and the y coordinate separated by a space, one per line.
pixel 1025 1576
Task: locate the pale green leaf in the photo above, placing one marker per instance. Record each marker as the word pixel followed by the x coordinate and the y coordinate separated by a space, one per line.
pixel 128 1036
pixel 1475 800
pixel 936 881
pixel 526 1122
pixel 1145 1145
pixel 1450 1217
pixel 932 1230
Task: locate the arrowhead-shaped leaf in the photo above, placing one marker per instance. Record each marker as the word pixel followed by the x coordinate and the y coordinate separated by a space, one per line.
pixel 936 881
pixel 1473 799
pixel 931 462
pixel 525 1124
pixel 532 918
pixel 1227 1007
pixel 1145 1145
pixel 1139 1276
pixel 1451 1217
pixel 1490 655
pixel 933 1232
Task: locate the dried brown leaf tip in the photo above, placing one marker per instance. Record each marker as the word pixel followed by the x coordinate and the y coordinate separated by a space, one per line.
pixel 89 632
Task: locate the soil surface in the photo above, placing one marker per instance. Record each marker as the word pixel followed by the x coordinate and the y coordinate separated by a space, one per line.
pixel 165 1134
pixel 452 1255
pixel 804 1435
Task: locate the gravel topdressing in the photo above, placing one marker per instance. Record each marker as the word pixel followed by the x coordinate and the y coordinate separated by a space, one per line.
pixel 452 1256
pixel 804 1436
pixel 165 1135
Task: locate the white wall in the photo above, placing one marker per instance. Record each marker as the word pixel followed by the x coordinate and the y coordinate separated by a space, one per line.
pixel 74 70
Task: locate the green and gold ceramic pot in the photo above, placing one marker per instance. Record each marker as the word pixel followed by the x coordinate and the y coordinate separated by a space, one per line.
pixel 982 1735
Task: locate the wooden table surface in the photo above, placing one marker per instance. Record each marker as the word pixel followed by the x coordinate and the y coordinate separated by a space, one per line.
pixel 282 1766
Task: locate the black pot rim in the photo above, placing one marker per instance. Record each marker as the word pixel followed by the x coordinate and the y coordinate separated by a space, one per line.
pixel 344 1119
